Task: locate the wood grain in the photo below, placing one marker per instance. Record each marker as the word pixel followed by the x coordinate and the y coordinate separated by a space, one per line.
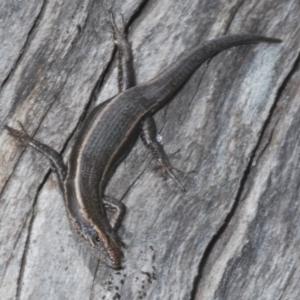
pixel 233 130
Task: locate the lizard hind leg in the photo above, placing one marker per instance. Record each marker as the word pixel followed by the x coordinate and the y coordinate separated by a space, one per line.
pixel 118 34
pixel 126 80
pixel 149 138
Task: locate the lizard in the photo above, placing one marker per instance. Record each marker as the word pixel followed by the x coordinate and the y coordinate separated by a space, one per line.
pixel 109 133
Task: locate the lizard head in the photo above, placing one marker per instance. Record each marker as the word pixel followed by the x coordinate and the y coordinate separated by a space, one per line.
pixel 105 246
pixel 95 233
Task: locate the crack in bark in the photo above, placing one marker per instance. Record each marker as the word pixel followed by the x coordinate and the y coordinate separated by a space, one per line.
pixel 12 253
pixel 94 280
pixel 233 16
pixel 92 98
pixel 25 46
pixel 277 98
pixel 265 146
pixel 27 242
pixel 243 181
pixel 136 13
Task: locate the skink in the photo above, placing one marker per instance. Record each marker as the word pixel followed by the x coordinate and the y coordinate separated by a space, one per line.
pixel 108 134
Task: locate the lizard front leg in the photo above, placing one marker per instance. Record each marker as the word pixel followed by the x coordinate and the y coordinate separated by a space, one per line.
pixel 53 156
pixel 118 209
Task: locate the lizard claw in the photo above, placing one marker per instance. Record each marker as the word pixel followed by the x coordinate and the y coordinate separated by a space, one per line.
pixel 167 170
pixel 22 136
pixel 117 34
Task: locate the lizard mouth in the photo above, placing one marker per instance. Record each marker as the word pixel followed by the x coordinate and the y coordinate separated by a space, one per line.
pixel 109 252
pixel 112 257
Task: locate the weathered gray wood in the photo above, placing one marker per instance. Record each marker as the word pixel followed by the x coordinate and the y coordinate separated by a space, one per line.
pixel 235 233
pixel 258 257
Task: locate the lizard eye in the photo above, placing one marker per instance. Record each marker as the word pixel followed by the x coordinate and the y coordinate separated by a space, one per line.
pixel 96 238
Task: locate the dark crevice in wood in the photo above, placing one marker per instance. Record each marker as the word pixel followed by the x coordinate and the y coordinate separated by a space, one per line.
pixel 265 146
pixel 27 242
pixel 26 44
pixel 93 96
pixel 7 263
pixel 20 233
pixel 244 179
pixel 233 16
pixel 96 91
pixel 277 98
pixel 94 280
pixel 136 13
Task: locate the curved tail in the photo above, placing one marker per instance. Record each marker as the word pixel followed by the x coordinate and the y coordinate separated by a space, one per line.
pixel 157 91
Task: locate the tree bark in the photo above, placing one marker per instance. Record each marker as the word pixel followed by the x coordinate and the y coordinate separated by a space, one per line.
pixel 233 130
